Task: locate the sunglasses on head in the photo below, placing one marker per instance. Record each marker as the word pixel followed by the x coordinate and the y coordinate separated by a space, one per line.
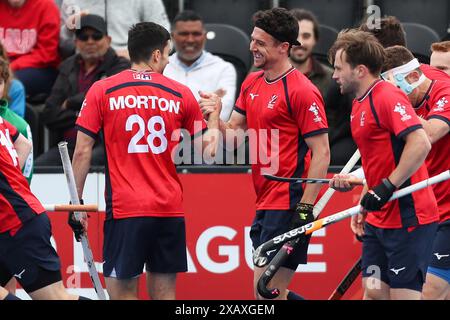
pixel 84 36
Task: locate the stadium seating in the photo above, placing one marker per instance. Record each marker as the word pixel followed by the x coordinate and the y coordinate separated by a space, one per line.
pixel 235 12
pixel 419 39
pixel 232 45
pixel 435 14
pixel 338 14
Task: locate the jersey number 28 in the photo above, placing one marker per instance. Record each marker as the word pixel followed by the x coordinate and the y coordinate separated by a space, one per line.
pixel 153 136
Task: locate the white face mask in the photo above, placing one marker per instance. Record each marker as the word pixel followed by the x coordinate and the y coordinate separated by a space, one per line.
pixel 401 72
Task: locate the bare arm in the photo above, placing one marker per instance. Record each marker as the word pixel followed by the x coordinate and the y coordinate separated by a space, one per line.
pixel 414 153
pixel 318 167
pixel 23 147
pixel 435 129
pixel 81 161
pixel 233 131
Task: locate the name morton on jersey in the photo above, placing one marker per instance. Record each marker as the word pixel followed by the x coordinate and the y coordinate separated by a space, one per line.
pixel 130 101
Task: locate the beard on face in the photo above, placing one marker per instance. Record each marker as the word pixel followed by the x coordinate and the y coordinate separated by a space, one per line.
pixel 300 59
pixel 351 87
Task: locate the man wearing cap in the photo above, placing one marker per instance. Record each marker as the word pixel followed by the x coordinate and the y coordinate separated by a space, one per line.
pixel 284 115
pixel 93 61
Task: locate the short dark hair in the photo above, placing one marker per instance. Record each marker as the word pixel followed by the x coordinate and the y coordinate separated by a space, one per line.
pixel 302 14
pixel 186 15
pixel 279 23
pixel 396 56
pixel 361 48
pixel 144 38
pixel 390 33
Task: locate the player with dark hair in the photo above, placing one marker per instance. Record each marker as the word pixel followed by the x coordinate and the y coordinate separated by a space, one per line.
pixel 397 235
pixel 391 33
pixel 142 115
pixel 430 99
pixel 285 117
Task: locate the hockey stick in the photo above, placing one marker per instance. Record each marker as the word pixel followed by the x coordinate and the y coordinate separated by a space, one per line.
pixel 347 281
pixel 288 247
pixel 258 256
pixel 88 256
pixel 352 181
pixel 71 207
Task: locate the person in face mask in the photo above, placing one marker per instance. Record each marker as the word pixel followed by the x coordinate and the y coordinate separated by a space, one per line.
pixel 430 99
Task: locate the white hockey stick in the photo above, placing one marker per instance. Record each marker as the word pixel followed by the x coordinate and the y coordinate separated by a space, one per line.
pixel 259 258
pixel 88 256
pixel 288 247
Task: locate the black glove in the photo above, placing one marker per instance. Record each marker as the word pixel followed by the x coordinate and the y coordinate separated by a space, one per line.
pixel 376 198
pixel 303 215
pixel 76 225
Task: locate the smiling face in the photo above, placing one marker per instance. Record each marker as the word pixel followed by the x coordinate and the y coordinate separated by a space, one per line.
pixel 344 74
pixel 265 49
pixel 189 40
pixel 300 54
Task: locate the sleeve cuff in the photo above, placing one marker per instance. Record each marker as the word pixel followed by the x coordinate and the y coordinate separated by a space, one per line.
pixel 315 133
pixel 446 120
pixel 409 130
pixel 239 110
pixel 86 131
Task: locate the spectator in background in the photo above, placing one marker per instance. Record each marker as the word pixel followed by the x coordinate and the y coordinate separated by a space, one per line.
pixel 301 56
pixel 119 16
pixel 196 68
pixel 440 56
pixel 95 60
pixel 14 92
pixel 29 33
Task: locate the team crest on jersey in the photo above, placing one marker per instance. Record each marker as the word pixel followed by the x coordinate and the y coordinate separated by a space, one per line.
pixel 401 109
pixel 440 104
pixel 272 101
pixel 142 76
pixel 362 120
pixel 314 108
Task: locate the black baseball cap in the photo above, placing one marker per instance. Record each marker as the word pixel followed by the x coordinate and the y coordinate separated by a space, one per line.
pixel 93 21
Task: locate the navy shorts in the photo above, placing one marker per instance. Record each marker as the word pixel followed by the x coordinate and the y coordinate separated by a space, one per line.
pixel 398 257
pixel 440 257
pixel 29 256
pixel 271 223
pixel 157 243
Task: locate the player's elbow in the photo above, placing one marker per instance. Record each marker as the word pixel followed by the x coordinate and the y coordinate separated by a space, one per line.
pixel 423 145
pixel 322 154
